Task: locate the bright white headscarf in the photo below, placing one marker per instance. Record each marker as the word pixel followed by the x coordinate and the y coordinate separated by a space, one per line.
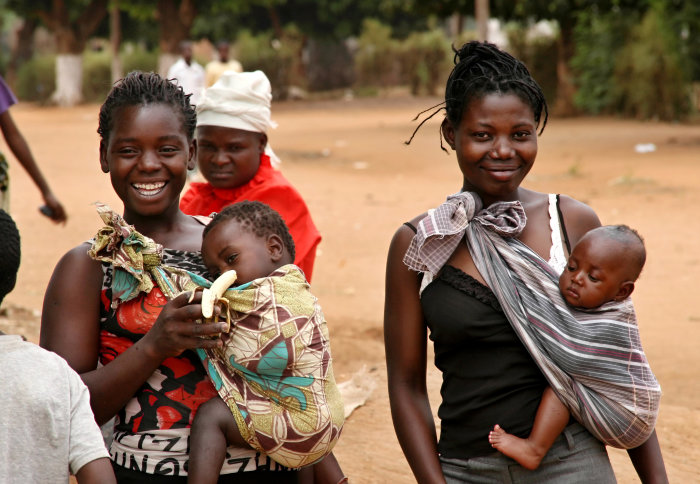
pixel 239 100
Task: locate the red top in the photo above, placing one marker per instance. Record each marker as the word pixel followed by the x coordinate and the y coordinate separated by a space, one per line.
pixel 271 187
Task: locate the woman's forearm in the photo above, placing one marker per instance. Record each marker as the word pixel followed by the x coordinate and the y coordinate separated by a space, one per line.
pixel 415 429
pixel 113 385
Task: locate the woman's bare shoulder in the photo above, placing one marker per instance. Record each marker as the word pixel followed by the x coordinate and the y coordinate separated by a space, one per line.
pixel 411 224
pixel 79 253
pixel 76 264
pixel 404 233
pixel 414 221
pixel 579 217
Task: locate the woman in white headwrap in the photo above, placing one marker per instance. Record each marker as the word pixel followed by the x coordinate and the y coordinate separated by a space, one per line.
pixel 238 164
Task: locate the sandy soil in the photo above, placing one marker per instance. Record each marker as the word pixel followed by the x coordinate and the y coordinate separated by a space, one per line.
pixel 361 182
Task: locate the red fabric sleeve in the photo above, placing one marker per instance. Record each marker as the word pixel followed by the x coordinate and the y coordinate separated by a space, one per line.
pixel 288 202
pixel 271 187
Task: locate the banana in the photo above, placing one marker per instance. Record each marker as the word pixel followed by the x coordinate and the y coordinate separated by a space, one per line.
pixel 211 296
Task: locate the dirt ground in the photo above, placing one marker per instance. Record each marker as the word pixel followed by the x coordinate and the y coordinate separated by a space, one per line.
pixel 361 182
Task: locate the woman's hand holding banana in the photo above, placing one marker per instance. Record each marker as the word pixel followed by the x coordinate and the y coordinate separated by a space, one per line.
pixel 212 296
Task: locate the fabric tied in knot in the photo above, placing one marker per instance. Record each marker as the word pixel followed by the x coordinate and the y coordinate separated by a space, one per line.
pixel 137 259
pixel 438 234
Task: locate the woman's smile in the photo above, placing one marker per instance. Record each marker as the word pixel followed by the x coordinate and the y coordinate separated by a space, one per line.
pixel 495 143
pixel 149 189
pixel 501 173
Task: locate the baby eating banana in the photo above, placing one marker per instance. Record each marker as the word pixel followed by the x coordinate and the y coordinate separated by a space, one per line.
pixel 274 371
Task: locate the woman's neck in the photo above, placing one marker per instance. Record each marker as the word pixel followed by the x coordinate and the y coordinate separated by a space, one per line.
pixel 151 225
pixel 521 194
pixel 172 229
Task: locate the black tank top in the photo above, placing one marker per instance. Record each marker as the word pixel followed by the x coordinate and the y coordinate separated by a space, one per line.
pixel 488 376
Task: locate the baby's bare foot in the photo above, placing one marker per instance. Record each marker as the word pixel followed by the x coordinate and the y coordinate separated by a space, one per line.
pixel 522 451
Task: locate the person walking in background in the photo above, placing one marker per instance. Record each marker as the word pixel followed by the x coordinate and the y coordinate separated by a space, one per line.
pixel 217 67
pixel 47 429
pixel 236 160
pixel 188 73
pixel 18 145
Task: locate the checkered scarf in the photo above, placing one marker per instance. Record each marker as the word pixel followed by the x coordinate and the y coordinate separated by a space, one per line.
pixel 438 233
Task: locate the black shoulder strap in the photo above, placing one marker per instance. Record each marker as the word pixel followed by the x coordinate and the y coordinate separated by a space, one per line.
pixel 563 227
pixel 411 226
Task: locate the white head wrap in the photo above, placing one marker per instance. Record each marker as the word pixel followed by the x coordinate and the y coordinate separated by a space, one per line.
pixel 239 100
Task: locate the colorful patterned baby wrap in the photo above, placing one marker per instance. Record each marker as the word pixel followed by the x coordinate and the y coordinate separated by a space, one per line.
pixel 275 369
pixel 592 359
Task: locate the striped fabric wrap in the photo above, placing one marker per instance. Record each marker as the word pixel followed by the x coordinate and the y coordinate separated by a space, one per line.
pixel 592 359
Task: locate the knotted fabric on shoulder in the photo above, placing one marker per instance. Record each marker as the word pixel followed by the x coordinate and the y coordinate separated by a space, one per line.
pixel 274 370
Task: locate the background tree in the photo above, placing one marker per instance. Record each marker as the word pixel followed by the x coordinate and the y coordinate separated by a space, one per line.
pixel 319 28
pixel 173 20
pixel 72 22
pixel 23 48
pixel 638 62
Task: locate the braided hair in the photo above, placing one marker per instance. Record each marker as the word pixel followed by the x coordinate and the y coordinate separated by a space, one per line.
pixel 141 88
pixel 257 217
pixel 481 68
pixel 485 69
pixel 9 254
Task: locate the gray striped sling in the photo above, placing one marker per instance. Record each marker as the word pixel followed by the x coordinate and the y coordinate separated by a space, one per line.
pixel 592 359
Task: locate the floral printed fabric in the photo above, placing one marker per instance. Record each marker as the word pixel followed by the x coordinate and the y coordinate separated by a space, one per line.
pixel 274 370
pixel 151 431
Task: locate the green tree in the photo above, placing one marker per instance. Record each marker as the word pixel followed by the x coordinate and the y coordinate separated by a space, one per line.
pixel 72 22
pixel 684 19
pixel 638 62
pixel 174 20
pixel 651 77
pixel 565 13
pixel 322 27
pixel 598 37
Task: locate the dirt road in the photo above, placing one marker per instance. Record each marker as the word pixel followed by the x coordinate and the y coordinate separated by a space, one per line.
pixel 361 182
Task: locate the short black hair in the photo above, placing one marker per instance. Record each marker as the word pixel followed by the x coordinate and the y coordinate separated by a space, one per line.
pixel 632 242
pixel 10 254
pixel 482 68
pixel 257 217
pixel 142 88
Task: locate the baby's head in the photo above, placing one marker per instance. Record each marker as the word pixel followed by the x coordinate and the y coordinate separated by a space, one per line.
pixel 9 254
pixel 248 237
pixel 603 266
